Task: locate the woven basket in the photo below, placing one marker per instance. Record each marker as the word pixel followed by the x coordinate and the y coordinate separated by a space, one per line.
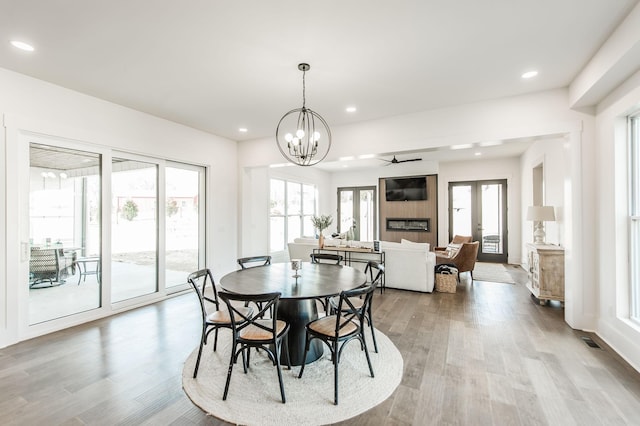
pixel 446 283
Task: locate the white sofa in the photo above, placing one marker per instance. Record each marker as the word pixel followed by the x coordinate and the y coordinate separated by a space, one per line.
pixel 408 265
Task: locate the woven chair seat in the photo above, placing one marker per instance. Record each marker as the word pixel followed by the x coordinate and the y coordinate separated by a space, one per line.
pixel 327 326
pixel 253 332
pixel 222 317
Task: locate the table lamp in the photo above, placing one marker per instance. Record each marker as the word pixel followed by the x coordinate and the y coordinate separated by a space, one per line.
pixel 539 215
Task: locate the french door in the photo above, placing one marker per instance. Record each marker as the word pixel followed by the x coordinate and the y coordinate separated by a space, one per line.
pixel 357 211
pixel 479 209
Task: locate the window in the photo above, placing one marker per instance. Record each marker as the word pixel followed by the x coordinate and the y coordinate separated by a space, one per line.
pixel 634 216
pixel 292 204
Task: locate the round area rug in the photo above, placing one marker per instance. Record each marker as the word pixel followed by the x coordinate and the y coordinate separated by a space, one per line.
pixel 254 398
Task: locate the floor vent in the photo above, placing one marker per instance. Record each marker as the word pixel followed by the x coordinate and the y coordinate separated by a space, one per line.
pixel 589 341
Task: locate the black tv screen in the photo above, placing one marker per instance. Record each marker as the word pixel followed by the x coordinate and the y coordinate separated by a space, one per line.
pixel 406 189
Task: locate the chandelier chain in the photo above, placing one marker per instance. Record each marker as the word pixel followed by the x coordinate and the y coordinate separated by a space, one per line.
pixel 304 96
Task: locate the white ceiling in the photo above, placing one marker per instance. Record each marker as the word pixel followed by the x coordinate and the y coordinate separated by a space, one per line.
pixel 221 65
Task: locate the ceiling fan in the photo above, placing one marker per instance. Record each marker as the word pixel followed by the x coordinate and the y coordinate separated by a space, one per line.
pixel 396 161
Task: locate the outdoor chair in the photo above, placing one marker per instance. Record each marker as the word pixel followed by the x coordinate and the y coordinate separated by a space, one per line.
pixel 212 320
pixel 339 329
pixel 255 332
pixel 48 264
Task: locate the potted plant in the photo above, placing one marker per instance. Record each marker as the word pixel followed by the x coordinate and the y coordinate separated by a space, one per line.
pixel 321 223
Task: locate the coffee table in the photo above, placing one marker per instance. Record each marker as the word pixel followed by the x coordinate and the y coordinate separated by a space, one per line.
pixel 297 301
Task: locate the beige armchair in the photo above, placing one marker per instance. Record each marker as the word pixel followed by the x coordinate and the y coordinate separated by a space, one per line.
pixel 464 258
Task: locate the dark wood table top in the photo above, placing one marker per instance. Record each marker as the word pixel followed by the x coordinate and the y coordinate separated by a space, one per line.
pixel 316 280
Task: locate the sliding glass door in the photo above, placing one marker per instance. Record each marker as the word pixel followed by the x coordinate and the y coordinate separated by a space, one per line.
pixel 155 238
pixel 184 223
pixel 64 232
pixel 134 229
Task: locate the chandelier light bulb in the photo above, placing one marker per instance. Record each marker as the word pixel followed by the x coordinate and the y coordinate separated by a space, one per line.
pixel 300 133
pixel 316 136
pixel 288 137
pixel 296 141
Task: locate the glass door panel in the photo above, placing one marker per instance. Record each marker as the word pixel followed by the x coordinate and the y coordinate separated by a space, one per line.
pixel 357 211
pixel 346 209
pixel 182 238
pixel 64 232
pixel 461 212
pixel 134 228
pixel 491 229
pixel 367 218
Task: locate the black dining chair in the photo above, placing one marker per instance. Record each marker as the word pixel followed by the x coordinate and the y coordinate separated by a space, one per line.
pixel 256 332
pixel 376 274
pixel 326 258
pixel 212 320
pixel 329 258
pixel 341 328
pixel 254 261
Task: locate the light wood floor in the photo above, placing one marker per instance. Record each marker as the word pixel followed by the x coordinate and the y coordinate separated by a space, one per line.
pixel 488 354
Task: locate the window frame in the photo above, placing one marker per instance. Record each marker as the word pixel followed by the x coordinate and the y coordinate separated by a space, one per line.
pixel 301 214
pixel 633 175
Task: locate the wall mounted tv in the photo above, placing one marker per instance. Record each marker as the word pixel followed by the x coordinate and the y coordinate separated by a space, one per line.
pixel 406 189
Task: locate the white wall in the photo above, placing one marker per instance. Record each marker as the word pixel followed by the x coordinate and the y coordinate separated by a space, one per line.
pixel 552 154
pixel 611 226
pixel 503 168
pixel 32 105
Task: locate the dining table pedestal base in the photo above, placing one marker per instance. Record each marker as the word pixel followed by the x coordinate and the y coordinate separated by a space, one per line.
pixel 298 313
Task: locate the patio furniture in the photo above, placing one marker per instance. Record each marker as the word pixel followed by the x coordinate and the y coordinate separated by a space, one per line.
pixel 48 264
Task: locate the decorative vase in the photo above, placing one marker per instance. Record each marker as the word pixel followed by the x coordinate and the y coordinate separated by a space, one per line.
pixel 321 241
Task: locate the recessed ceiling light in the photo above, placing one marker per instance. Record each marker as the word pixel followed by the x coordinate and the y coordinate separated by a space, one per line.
pixel 477 154
pixel 365 156
pixel 348 158
pixel 351 109
pixel 22 45
pixel 530 74
pixel 462 146
pixel 243 130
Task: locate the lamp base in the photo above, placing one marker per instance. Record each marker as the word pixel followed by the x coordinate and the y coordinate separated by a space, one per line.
pixel 538 233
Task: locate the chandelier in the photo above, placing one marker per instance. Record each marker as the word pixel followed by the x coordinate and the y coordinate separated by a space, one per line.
pixel 302 135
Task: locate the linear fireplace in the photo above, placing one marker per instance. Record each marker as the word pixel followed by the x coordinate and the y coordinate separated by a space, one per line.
pixel 414 225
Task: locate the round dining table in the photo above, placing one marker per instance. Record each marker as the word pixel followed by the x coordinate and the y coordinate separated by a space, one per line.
pixel 297 303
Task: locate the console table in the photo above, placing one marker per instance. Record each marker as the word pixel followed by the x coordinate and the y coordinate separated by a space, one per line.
pixel 546 272
pixel 356 255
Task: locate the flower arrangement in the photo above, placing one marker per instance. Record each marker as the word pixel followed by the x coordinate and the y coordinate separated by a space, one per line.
pixel 321 222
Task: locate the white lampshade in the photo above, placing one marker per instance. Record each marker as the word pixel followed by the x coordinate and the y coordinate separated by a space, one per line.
pixel 541 214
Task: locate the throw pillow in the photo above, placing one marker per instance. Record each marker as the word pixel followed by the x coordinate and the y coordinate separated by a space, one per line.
pixel 453 249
